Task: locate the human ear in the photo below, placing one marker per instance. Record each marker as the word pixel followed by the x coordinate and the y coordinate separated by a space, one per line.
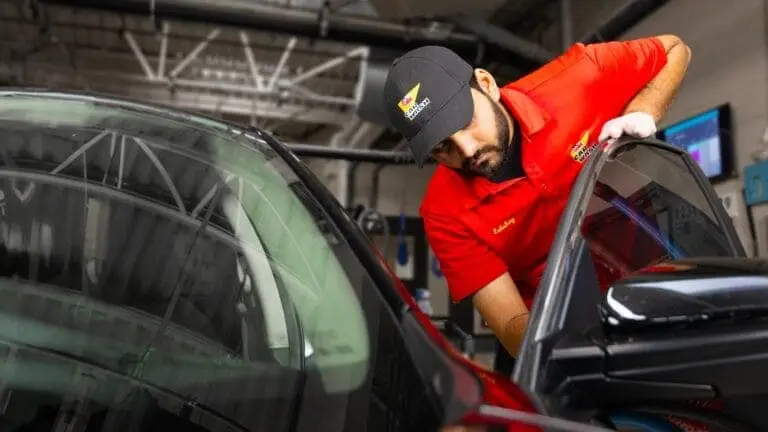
pixel 487 83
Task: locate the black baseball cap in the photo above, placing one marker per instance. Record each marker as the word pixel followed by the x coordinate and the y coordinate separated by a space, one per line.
pixel 427 97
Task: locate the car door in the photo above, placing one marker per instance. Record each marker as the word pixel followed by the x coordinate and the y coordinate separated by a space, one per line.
pixel 635 204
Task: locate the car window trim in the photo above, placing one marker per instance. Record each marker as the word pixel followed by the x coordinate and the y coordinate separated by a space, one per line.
pixel 390 295
pixel 544 319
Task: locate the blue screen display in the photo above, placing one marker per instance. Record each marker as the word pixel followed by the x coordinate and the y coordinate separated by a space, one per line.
pixel 700 137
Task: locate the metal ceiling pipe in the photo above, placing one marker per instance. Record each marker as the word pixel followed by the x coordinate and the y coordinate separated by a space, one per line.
pixel 566 24
pixel 386 157
pixel 505 39
pixel 351 184
pixel 297 22
pixel 373 198
pixel 622 20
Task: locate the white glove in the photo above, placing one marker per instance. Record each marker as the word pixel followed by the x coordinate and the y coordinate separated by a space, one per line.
pixel 636 124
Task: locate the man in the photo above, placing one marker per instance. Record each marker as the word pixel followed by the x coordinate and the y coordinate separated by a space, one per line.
pixel 507 157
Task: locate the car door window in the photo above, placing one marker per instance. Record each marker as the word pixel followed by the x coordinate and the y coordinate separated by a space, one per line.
pixel 636 203
pixel 647 207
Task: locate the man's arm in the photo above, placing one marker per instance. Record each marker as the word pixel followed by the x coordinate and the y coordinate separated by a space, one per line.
pixel 471 269
pixel 502 307
pixel 656 97
pixel 640 75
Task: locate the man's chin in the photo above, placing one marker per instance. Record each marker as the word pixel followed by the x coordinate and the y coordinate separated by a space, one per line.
pixel 487 171
pixel 491 168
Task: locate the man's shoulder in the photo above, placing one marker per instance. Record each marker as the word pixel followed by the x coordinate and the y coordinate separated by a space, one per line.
pixel 447 193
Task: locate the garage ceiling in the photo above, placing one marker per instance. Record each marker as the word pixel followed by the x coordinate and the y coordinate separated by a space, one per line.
pixel 292 67
pixel 404 9
pixel 294 87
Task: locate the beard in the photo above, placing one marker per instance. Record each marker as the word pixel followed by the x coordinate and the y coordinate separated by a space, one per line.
pixel 497 152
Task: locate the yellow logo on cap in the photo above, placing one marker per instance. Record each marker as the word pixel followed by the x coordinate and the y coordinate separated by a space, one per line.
pixel 409 99
pixel 408 104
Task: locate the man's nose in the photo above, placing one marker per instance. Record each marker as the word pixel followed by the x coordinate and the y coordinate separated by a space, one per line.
pixel 466 145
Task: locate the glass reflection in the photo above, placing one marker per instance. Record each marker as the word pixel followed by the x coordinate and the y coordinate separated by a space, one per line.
pixel 163 273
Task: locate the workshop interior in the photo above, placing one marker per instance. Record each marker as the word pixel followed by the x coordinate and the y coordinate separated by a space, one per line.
pixel 209 223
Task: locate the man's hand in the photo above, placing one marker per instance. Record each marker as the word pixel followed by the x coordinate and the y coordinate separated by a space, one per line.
pixel 636 124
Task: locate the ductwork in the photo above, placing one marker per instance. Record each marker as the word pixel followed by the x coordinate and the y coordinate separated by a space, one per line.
pixel 297 22
pixel 404 9
pixel 623 19
pixel 500 37
pixel 371 105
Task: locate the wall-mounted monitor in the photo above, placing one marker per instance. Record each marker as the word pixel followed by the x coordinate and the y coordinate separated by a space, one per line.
pixel 707 137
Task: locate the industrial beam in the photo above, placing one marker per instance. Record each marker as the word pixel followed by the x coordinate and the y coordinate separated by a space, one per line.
pixel 495 35
pixel 296 22
pixel 266 89
pixel 185 98
pixel 566 24
pixel 623 19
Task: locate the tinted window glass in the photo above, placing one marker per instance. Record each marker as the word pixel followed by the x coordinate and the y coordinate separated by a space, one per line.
pixel 647 207
pixel 170 273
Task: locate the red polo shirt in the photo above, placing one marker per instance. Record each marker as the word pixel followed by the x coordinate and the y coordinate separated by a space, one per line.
pixel 479 229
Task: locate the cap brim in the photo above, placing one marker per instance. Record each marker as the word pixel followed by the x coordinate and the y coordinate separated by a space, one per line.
pixel 451 118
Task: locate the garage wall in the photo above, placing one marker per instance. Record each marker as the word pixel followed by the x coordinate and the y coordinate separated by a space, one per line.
pixel 398 186
pixel 729 64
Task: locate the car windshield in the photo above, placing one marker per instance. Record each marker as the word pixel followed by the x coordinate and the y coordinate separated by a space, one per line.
pixel 647 207
pixel 164 262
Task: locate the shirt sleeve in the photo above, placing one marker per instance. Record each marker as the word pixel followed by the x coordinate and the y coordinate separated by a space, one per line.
pixel 626 67
pixel 466 263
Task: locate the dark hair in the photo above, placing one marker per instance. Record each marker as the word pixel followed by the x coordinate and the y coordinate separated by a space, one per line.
pixel 474 84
